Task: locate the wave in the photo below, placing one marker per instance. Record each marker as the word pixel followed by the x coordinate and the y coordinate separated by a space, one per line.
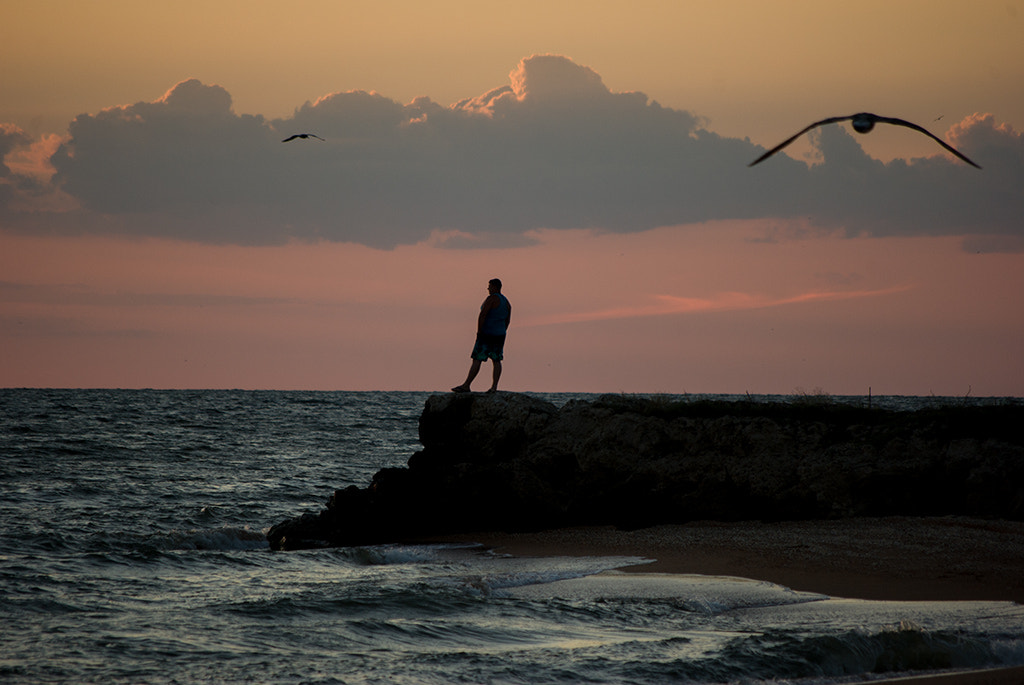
pixel 479 572
pixel 394 554
pixel 899 649
pixel 223 539
pixel 706 595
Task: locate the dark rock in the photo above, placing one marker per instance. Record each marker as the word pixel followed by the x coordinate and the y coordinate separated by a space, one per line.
pixel 514 462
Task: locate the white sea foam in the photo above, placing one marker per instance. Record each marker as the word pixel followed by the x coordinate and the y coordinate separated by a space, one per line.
pixel 703 594
pixel 502 572
pixel 880 615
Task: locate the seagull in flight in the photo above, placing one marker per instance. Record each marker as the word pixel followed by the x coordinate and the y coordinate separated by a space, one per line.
pixel 863 123
pixel 304 136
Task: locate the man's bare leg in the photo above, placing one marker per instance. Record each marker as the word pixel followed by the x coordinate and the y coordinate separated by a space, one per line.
pixel 474 369
pixel 495 375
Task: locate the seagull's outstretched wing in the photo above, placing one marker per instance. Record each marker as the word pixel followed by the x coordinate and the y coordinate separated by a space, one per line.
pixel 869 120
pixel 301 135
pixel 921 129
pixel 787 141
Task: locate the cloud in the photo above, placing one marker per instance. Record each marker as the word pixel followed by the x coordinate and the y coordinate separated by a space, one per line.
pixel 82 295
pixel 185 151
pixel 10 137
pixel 925 196
pixel 553 148
pixel 728 301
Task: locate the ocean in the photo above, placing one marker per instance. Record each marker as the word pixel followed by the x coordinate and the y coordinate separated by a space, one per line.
pixel 133 550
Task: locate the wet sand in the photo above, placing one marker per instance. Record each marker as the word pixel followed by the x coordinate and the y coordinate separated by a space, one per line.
pixel 996 676
pixel 894 558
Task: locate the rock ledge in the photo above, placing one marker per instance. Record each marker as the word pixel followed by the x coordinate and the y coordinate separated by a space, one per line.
pixel 513 462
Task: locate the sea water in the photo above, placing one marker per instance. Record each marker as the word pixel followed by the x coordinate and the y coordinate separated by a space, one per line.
pixel 133 550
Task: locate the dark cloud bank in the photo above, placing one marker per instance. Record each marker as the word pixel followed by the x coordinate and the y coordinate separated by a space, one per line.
pixel 553 149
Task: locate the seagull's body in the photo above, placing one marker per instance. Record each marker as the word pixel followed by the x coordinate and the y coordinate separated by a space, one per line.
pixel 863 123
pixel 304 136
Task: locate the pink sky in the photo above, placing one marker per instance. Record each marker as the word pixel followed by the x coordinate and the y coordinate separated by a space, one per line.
pixel 711 308
pixel 174 242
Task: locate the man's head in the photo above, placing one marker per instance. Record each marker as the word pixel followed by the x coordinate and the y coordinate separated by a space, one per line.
pixel 494 285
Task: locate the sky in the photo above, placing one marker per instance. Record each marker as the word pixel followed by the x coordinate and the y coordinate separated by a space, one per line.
pixel 156 233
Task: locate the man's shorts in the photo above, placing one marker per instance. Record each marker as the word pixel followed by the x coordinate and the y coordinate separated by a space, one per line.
pixel 488 347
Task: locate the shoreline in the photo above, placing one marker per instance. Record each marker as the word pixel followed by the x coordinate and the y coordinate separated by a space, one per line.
pixel 889 558
pixel 1013 675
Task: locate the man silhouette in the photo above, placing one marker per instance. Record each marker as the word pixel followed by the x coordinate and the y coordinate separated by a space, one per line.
pixel 491 327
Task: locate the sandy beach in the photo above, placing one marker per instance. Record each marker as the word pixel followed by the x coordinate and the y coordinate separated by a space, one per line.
pixel 893 558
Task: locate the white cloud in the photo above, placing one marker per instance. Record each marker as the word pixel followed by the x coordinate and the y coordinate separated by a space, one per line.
pixel 553 148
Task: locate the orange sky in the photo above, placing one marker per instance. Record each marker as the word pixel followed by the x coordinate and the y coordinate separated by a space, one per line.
pixel 784 61
pixel 854 286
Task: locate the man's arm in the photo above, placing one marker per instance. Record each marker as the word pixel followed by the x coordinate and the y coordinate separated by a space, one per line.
pixel 490 303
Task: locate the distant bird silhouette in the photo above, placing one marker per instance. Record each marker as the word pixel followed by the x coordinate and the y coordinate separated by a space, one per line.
pixel 304 136
pixel 863 123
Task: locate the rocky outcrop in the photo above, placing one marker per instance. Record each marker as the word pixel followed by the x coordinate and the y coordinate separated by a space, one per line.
pixel 514 462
